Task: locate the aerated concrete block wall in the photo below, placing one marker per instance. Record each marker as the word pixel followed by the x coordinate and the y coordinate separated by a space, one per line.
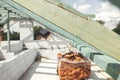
pixel 45 44
pixel 26 30
pixel 16 46
pixel 14 68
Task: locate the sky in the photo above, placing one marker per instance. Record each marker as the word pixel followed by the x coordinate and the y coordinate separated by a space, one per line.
pixel 102 9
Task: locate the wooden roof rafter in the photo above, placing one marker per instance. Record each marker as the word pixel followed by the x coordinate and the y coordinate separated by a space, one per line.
pixel 14 13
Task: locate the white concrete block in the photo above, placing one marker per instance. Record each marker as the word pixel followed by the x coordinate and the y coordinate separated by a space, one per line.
pixel 3 75
pixel 0 69
pixel 13 68
pixel 15 59
pixel 8 55
pixel 26 30
pixel 5 66
pixel 9 74
pixel 19 58
pixel 2 62
pixel 15 46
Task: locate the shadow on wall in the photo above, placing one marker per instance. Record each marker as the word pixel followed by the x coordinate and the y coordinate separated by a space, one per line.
pixel 113 69
pixel 1 56
pixel 28 37
pixel 92 55
pixel 38 57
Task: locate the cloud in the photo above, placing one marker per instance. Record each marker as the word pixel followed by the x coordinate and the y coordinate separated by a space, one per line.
pixel 101 8
pixel 108 12
pixel 82 8
pixel 111 24
pixel 82 0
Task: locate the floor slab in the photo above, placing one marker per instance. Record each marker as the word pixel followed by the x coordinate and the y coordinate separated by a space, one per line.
pixel 46 70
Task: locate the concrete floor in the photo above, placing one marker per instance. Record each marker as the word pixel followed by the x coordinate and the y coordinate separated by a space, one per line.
pixel 46 70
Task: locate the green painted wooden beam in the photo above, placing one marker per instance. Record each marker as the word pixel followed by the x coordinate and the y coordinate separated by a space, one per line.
pixel 2 21
pixel 108 64
pixel 8 32
pixel 115 2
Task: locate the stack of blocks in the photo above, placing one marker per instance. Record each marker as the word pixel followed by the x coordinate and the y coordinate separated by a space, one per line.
pixel 14 68
pixel 73 66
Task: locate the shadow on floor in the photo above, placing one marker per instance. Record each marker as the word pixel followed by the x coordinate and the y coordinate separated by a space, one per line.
pixel 50 62
pixel 92 55
pixel 41 71
pixel 47 67
pixel 31 70
pixel 95 75
pixel 113 69
pixel 46 73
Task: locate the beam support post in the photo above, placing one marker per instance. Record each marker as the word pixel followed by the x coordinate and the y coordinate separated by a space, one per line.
pixel 8 31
